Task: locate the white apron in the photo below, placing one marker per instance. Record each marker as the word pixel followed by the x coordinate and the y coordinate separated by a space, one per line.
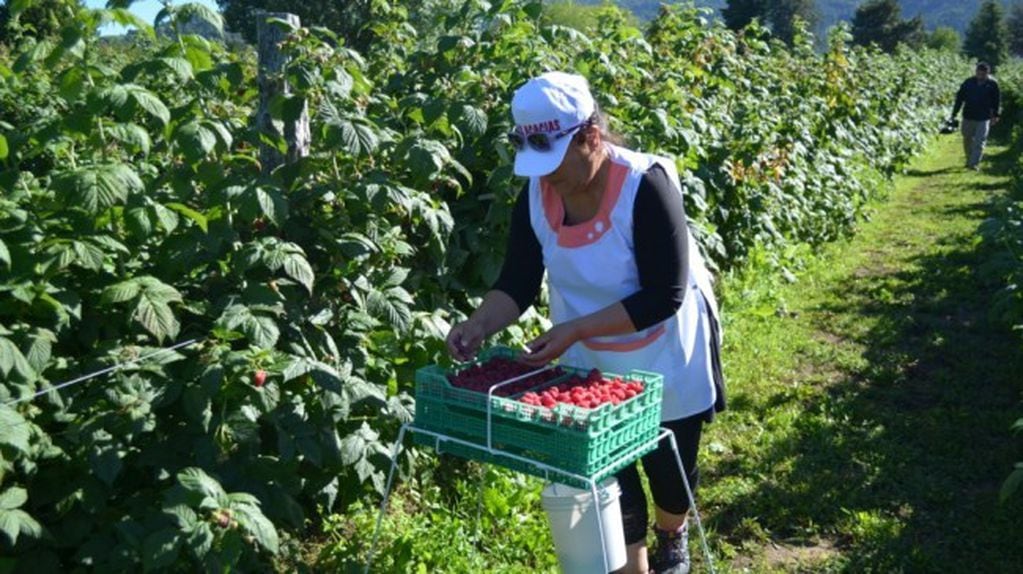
pixel 593 265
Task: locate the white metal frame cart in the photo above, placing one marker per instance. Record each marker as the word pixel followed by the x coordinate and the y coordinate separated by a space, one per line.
pixel 548 471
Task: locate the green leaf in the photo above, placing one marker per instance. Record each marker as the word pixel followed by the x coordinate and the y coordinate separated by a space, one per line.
pixel 41 349
pixel 224 135
pixel 18 6
pixel 160 549
pixel 473 120
pixel 274 253
pixel 353 136
pixel 106 463
pixel 198 53
pixel 156 316
pixel 355 445
pixel 14 522
pixel 394 312
pixel 251 518
pixel 262 331
pixel 13 498
pixel 72 83
pixel 132 135
pixel 268 202
pixel 402 408
pixel 184 517
pixel 180 66
pixel 114 98
pixel 121 292
pixel 98 187
pixel 4 150
pixel 359 390
pixel 38 51
pixel 196 217
pixel 397 276
pixel 110 244
pixel 88 256
pixel 426 159
pixel 167 218
pixel 12 359
pixel 196 140
pixel 5 255
pixel 152 310
pixel 159 290
pixel 1012 484
pixel 243 498
pixel 299 269
pixel 138 222
pixel 201 12
pixel 200 540
pixel 63 254
pixel 196 481
pixel 298 367
pixel 125 17
pixel 151 103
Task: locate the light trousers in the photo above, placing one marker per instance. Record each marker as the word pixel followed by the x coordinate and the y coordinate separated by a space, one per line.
pixel 974 139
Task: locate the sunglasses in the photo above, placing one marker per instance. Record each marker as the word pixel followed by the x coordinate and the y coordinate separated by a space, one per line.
pixel 542 141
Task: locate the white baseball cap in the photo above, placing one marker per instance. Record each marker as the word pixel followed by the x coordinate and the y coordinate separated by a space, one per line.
pixel 553 103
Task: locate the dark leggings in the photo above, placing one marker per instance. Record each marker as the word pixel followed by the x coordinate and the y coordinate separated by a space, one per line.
pixel 665 480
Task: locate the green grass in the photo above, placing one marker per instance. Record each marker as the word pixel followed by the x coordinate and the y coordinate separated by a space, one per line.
pixel 872 399
pixel 868 427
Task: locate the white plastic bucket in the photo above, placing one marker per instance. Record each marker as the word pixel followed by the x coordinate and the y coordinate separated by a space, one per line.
pixel 576 532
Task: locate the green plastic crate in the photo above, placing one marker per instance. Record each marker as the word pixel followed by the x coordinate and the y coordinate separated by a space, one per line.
pixel 432 383
pixel 581 441
pixel 579 454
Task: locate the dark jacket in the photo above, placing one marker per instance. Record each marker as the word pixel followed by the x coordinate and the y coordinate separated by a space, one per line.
pixel 980 100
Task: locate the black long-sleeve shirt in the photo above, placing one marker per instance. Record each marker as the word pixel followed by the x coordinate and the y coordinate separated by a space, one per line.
pixel 980 101
pixel 660 240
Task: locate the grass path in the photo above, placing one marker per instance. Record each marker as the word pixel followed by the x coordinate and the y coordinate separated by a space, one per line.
pixel 871 400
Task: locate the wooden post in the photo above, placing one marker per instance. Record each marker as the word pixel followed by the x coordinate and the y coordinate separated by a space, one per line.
pixel 272 83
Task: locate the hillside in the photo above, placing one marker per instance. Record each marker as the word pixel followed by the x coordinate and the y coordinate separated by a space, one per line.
pixel 954 13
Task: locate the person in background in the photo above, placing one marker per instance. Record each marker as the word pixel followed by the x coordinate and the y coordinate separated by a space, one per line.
pixel 628 289
pixel 980 100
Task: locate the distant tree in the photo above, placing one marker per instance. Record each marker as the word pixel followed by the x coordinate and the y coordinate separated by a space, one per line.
pixel 880 22
pixel 582 17
pixel 41 19
pixel 344 18
pixel 779 15
pixel 944 38
pixel 912 32
pixel 739 13
pixel 987 37
pixel 782 15
pixel 1015 25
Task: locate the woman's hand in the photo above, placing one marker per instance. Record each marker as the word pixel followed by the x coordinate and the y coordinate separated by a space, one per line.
pixel 464 339
pixel 551 344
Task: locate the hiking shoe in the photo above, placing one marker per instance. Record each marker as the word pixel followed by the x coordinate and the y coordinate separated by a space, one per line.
pixel 672 553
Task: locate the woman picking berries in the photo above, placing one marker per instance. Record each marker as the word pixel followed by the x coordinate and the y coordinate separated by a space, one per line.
pixel 628 288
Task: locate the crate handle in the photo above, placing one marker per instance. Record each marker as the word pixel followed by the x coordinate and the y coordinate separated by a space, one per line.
pixel 490 398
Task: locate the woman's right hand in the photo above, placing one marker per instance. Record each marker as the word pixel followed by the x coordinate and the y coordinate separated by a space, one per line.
pixel 464 340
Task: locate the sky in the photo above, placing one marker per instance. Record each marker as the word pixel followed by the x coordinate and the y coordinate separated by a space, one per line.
pixel 145 9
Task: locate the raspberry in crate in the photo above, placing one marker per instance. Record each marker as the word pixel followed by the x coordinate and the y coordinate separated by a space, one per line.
pixel 497 370
pixel 589 393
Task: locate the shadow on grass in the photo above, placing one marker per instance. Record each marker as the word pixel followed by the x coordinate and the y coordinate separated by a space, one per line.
pixel 902 459
pixel 933 172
